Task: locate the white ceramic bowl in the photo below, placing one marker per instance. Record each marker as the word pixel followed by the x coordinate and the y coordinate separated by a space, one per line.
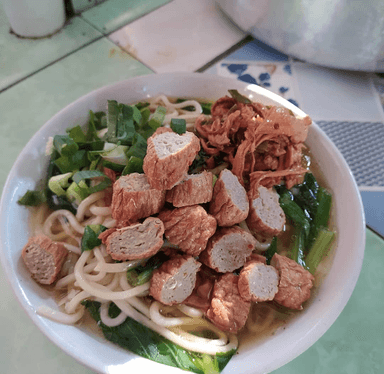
pixel 104 357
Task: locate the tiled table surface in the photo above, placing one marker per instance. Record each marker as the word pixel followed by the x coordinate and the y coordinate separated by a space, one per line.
pixel 120 39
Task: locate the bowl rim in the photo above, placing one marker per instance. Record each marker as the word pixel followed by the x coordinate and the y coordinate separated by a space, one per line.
pixel 316 332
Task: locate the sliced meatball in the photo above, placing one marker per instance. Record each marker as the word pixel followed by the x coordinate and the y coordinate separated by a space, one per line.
pixel 295 282
pixel 189 228
pixel 229 204
pixel 44 258
pixel 228 249
pixel 255 257
pixel 194 189
pixel 201 295
pixel 228 310
pixel 266 218
pixel 137 241
pixel 133 198
pixel 258 281
pixel 168 157
pixel 175 280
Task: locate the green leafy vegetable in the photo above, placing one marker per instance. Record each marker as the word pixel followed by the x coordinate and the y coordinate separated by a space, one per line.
pixel 90 238
pixel 199 162
pixel 272 249
pixel 146 343
pixel 298 247
pixel 322 214
pixel 33 198
pixel 179 125
pixel 143 273
pixel 238 97
pixel 59 202
pixel 294 212
pixel 320 248
pixel 306 195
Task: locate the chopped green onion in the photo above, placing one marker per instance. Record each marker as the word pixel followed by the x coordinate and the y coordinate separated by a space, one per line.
pixel 97 120
pixel 179 125
pixel 238 97
pixel 206 107
pixel 57 183
pixel 157 118
pixel 139 147
pixel 142 105
pixel 33 198
pixel 87 174
pixel 115 167
pixel 134 165
pixel 81 176
pixel 77 193
pixel 65 145
pixel 136 115
pixel 114 153
pixel 77 134
pixel 145 114
pixel 75 161
pixel 120 123
pixel 319 249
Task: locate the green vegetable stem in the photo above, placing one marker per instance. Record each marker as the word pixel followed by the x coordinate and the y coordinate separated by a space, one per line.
pixel 319 249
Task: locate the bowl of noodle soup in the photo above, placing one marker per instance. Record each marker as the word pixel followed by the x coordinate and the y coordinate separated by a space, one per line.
pixel 339 273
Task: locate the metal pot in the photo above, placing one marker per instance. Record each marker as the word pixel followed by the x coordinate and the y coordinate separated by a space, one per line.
pixel 347 34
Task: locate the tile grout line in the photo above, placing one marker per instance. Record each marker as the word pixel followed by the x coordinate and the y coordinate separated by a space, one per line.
pixel 51 63
pixel 134 57
pixel 225 54
pixel 134 20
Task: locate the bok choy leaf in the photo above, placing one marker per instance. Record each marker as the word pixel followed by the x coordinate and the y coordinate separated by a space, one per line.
pixel 146 343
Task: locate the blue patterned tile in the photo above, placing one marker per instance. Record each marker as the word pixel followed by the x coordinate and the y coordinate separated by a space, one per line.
pixel 276 77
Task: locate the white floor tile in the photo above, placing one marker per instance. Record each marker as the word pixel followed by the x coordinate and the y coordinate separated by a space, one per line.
pixel 336 95
pixel 180 36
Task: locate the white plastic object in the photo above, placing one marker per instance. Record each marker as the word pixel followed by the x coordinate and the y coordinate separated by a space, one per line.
pixel 35 18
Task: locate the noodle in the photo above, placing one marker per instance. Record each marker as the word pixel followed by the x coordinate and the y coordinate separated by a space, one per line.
pixel 156 317
pixel 55 315
pixel 85 204
pixel 107 320
pixel 93 275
